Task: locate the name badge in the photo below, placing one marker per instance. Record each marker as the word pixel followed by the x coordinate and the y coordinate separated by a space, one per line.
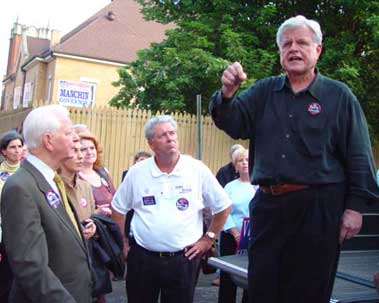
pixel 53 199
pixel 149 200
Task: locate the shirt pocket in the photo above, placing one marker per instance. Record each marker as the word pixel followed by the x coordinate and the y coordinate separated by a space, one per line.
pixel 310 133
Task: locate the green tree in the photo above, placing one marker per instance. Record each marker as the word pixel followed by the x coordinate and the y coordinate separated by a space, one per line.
pixel 212 34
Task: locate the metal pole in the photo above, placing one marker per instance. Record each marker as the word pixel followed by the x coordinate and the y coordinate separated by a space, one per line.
pixel 198 125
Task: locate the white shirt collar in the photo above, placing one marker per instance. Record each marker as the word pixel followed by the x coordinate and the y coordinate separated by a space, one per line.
pixel 47 172
pixel 156 172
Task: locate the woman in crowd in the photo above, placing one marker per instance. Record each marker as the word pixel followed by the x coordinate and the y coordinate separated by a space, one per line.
pixel 11 149
pixel 96 174
pixel 78 191
pixel 80 195
pixel 241 192
pixel 11 144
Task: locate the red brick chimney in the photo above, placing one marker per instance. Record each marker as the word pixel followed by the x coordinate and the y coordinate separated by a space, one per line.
pixel 14 46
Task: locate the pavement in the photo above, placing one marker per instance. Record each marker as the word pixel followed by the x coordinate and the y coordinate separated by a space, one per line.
pixel 361 264
pixel 205 292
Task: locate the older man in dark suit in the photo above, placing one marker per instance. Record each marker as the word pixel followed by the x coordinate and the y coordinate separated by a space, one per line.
pixel 43 238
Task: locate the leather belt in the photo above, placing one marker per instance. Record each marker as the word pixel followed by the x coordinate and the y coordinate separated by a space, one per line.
pixel 161 254
pixel 166 254
pixel 280 189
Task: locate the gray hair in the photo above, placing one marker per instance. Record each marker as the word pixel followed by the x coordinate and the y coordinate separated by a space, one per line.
pixel 149 133
pixel 300 21
pixel 79 128
pixel 234 147
pixel 237 153
pixel 41 120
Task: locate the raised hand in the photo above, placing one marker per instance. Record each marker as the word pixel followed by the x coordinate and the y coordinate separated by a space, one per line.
pixel 231 79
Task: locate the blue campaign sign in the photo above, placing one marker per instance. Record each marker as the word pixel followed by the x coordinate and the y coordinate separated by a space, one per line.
pixel 244 240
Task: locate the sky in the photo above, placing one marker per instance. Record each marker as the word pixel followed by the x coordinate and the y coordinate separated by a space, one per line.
pixel 62 15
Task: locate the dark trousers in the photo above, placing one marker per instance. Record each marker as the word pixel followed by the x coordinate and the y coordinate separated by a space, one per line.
pixel 294 248
pixel 174 278
pixel 228 290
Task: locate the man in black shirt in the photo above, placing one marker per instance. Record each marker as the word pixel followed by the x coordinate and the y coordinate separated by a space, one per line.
pixel 310 153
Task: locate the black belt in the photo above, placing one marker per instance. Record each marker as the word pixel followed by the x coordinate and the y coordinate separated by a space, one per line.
pixel 160 254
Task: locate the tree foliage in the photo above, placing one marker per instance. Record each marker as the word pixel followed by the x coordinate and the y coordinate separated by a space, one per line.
pixel 212 34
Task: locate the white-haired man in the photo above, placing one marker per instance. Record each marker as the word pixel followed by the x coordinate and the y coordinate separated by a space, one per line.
pixel 167 193
pixel 42 235
pixel 310 153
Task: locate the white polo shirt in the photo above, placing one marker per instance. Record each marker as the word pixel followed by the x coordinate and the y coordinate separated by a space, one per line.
pixel 168 207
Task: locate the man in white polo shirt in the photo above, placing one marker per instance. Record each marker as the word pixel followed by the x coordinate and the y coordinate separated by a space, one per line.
pixel 168 193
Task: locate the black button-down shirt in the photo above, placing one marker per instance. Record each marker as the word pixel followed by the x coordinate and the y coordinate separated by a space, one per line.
pixel 316 136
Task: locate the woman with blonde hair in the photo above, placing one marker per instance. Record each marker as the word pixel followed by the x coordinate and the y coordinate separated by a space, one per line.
pixel 241 192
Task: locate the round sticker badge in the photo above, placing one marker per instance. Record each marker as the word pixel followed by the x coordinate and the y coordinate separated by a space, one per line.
pixel 4 175
pixel 314 108
pixel 182 203
pixel 83 202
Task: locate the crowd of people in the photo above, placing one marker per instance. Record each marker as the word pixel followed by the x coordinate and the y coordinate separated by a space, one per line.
pixel 66 230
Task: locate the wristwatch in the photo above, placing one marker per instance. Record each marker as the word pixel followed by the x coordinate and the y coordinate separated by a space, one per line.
pixel 211 235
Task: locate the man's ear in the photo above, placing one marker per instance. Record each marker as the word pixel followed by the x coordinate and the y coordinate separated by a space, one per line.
pixel 47 141
pixel 319 50
pixel 149 141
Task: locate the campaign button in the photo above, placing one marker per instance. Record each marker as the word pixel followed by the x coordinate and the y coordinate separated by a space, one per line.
pixel 182 204
pixel 83 202
pixel 314 108
pixel 52 198
pixel 4 175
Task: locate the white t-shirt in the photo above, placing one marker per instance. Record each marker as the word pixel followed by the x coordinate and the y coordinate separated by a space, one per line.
pixel 168 207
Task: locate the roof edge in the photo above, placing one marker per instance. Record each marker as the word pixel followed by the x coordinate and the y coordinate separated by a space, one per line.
pixel 89 59
pixel 78 28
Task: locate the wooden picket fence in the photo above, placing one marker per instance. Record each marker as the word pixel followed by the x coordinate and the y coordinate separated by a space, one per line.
pixel 121 135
